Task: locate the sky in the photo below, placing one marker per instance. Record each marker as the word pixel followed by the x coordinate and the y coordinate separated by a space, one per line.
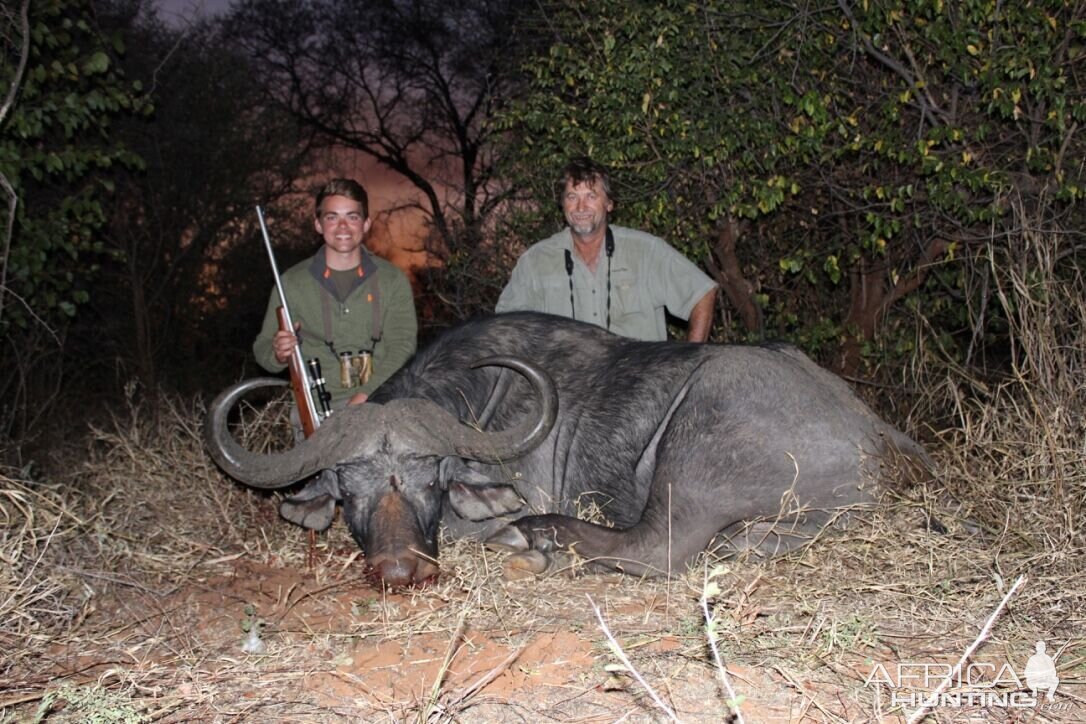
pixel 178 11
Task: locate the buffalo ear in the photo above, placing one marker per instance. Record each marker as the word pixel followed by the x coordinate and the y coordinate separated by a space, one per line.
pixel 451 470
pixel 314 506
pixel 481 502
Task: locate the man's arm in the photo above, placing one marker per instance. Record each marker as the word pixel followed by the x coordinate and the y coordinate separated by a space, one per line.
pixel 701 318
pixel 679 281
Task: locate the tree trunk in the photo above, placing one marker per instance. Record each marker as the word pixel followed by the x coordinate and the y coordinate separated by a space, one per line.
pixel 867 294
pixel 726 267
pixel 871 296
pixel 141 327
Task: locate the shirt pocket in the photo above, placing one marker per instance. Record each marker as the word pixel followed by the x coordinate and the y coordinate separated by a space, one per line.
pixel 556 297
pixel 631 295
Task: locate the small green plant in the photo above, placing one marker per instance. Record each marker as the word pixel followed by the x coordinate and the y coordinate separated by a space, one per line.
pixel 363 607
pixel 690 626
pixel 251 625
pixel 851 633
pixel 90 704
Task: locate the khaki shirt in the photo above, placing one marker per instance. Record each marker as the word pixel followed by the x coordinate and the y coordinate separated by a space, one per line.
pixel 647 276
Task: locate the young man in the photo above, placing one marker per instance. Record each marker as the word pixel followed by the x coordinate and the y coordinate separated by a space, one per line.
pixel 343 299
pixel 617 278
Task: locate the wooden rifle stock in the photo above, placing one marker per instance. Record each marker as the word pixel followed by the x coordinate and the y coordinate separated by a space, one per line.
pixel 299 384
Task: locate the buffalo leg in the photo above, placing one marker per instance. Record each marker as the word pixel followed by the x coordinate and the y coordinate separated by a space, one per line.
pixel 692 498
pixel 623 550
pixel 536 539
pixel 651 548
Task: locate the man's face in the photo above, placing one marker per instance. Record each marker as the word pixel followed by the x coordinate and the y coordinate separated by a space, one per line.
pixel 586 206
pixel 342 224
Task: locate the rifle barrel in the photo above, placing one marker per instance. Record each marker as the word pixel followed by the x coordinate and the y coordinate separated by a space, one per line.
pixel 299 360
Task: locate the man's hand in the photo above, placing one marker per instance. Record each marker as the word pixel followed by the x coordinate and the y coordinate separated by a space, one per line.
pixel 284 342
pixel 358 398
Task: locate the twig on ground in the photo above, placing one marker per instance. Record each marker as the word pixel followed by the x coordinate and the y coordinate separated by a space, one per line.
pixel 485 679
pixel 811 701
pixel 617 649
pixel 454 646
pixel 987 629
pixel 710 633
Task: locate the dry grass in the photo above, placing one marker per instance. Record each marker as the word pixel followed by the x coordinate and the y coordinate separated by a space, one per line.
pixel 125 582
pixel 34 600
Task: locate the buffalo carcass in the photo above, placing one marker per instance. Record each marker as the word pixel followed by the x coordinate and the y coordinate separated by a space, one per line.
pixel 677 444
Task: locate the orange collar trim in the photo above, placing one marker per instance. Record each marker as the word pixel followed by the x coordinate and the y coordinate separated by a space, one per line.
pixel 358 270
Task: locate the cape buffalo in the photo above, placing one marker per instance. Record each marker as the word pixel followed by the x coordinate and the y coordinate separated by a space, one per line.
pixel 677 444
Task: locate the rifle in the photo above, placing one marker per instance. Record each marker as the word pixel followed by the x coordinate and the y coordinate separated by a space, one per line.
pixel 301 384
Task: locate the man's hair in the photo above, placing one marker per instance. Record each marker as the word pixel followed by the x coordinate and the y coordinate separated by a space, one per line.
pixel 343 187
pixel 583 170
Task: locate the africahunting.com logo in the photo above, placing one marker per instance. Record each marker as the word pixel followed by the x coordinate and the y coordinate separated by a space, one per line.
pixel 978 684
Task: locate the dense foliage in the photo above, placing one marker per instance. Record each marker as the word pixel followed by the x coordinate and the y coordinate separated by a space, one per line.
pixel 827 162
pixel 60 159
pixel 57 151
pixel 136 152
pixel 182 229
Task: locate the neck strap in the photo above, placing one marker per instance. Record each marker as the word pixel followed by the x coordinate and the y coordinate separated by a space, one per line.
pixel 609 249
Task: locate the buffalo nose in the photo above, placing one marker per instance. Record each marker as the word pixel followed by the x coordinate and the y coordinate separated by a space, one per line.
pixel 403 570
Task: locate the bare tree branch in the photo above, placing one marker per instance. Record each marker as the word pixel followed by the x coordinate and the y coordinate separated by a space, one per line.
pixel 409 84
pixel 9 102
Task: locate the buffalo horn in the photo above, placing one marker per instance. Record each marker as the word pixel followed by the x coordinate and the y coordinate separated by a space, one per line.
pixel 276 469
pixel 428 429
pixel 505 445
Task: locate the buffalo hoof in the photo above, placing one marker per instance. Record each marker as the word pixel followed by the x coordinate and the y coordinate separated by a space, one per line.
pixel 508 538
pixel 524 565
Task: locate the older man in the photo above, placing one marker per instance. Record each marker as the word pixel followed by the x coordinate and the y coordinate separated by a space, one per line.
pixel 617 278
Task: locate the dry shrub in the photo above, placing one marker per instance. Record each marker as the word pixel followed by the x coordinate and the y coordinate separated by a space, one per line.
pixel 35 599
pixel 156 504
pixel 1017 457
pixel 140 509
pixel 1014 457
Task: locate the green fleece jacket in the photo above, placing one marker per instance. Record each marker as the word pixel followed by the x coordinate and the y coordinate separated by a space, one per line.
pixel 351 320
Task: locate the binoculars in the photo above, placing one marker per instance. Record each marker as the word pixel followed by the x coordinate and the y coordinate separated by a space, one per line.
pixel 355 369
